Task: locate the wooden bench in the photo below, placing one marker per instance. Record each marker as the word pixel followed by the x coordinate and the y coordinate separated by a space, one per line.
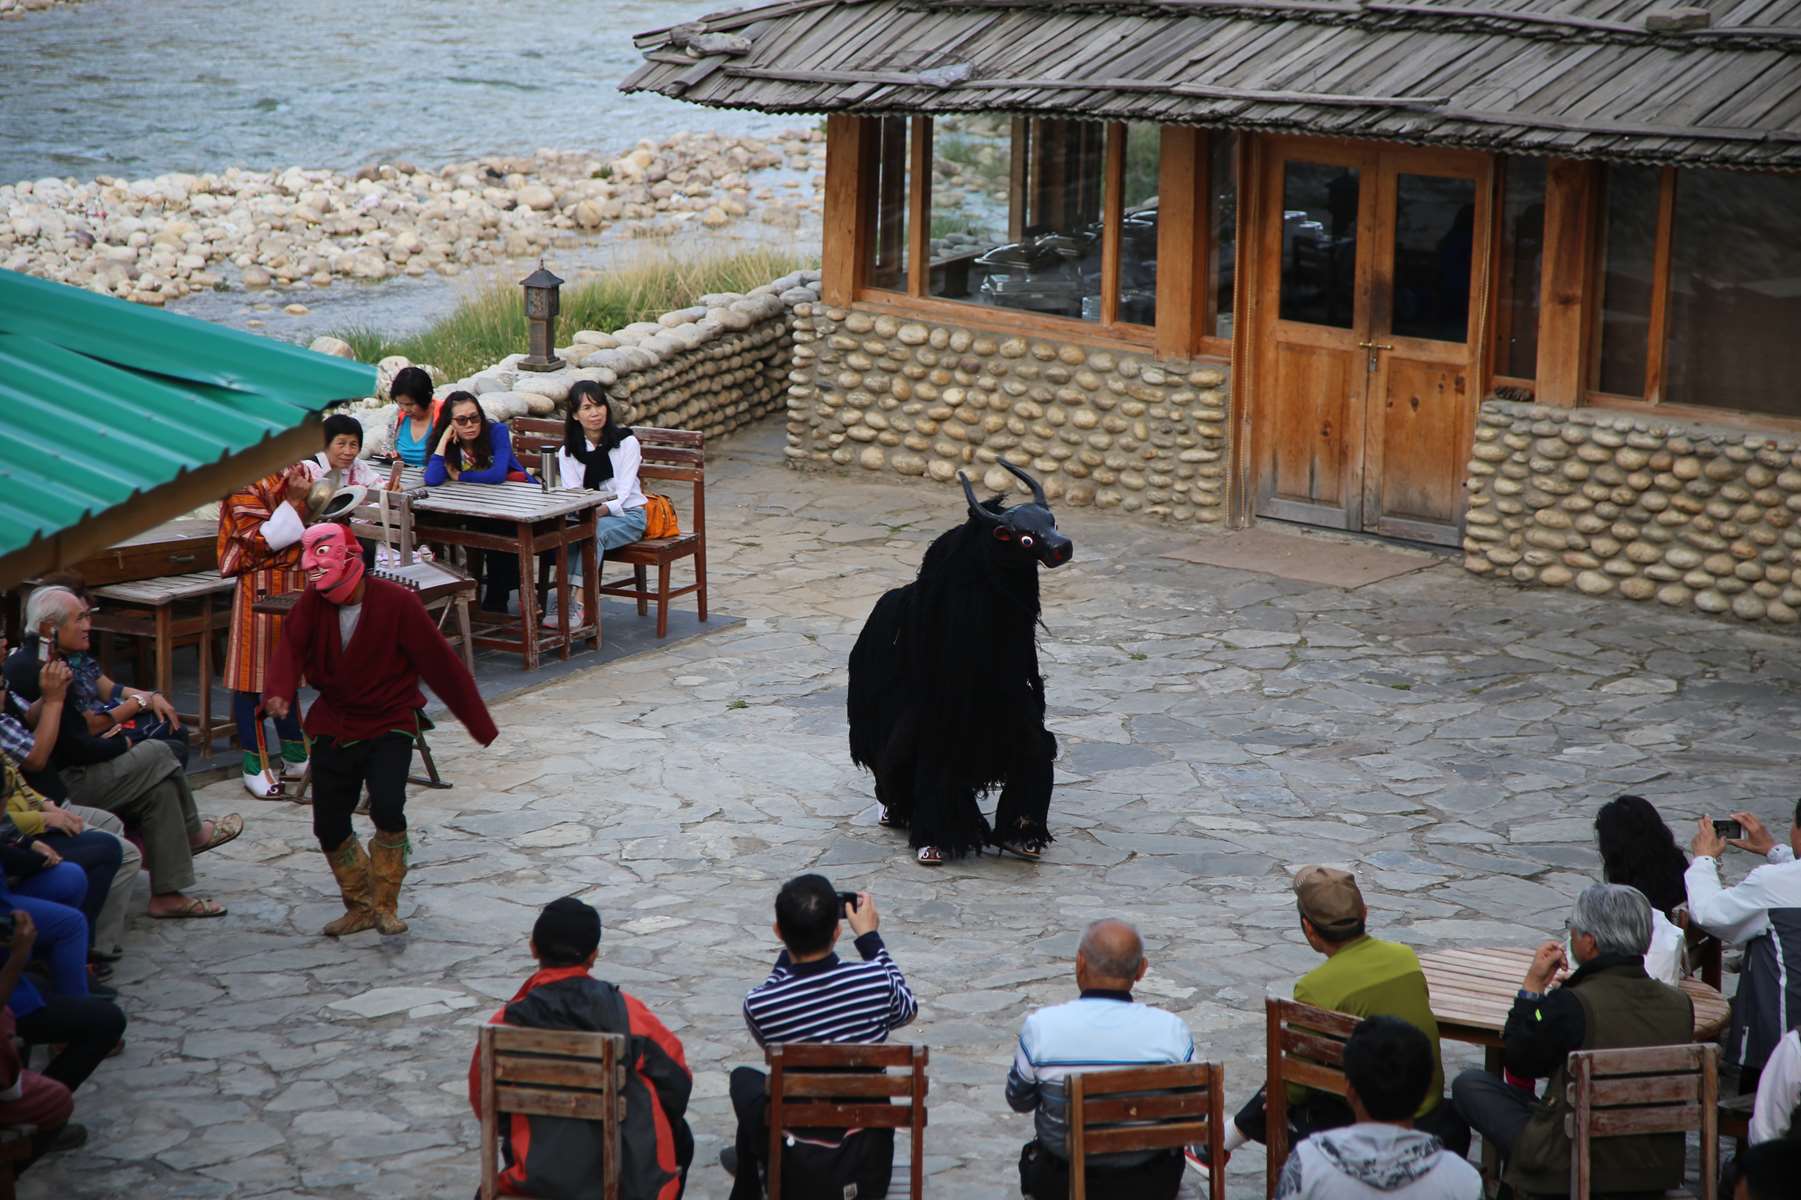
pixel 1147 1108
pixel 551 1073
pixel 818 1086
pixel 1644 1090
pixel 670 456
pixel 1305 1046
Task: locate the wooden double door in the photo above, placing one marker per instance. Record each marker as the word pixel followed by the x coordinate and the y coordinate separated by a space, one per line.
pixel 1370 266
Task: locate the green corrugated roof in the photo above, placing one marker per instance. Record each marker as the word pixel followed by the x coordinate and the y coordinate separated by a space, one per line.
pixel 103 401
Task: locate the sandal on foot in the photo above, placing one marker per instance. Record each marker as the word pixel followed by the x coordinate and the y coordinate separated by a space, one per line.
pixel 883 819
pixel 931 856
pixel 195 909
pixel 1030 849
pixel 225 829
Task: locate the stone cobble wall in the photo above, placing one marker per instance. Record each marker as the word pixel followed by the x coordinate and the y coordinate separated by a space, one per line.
pixel 1116 430
pixel 1616 503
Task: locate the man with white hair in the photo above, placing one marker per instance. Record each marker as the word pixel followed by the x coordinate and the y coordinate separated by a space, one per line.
pixel 143 785
pixel 1606 1003
pixel 1104 1027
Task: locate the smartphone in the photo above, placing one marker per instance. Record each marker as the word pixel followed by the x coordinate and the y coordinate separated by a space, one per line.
pixel 851 899
pixel 1728 829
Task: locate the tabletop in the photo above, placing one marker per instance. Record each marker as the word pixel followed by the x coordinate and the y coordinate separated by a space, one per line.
pixel 1473 990
pixel 499 501
pixel 166 589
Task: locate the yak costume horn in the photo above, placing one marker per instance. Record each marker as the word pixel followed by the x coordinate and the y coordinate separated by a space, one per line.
pixel 1037 488
pixel 975 506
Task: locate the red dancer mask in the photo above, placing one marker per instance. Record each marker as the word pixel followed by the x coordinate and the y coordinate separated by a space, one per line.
pixel 332 560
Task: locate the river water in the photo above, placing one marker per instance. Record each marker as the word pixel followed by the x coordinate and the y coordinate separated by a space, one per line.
pixel 139 87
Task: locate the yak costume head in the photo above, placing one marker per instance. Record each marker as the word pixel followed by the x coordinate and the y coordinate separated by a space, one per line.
pixel 1029 530
pixel 332 560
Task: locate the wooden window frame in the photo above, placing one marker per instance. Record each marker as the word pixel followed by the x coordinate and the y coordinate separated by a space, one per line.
pixel 1186 251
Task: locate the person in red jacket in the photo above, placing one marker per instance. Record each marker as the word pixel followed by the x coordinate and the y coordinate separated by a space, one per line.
pixel 561 1156
pixel 364 644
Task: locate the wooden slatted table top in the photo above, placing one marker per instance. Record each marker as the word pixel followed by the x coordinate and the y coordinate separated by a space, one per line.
pixel 182 529
pixel 1473 990
pixel 167 590
pixel 499 501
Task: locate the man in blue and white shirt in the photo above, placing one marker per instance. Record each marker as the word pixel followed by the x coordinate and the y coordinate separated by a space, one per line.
pixel 1103 1028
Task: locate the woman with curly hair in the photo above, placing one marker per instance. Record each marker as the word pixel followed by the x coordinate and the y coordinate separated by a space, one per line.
pixel 1638 850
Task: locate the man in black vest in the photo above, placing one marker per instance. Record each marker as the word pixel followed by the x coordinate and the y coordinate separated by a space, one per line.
pixel 1607 1003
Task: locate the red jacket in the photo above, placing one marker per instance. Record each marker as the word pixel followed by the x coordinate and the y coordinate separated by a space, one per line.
pixel 557 1156
pixel 375 689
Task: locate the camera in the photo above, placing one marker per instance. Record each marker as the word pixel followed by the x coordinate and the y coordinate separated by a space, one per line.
pixel 850 899
pixel 1728 829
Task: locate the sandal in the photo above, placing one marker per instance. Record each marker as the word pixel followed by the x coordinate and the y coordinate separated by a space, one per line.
pixel 1028 848
pixel 225 829
pixel 931 856
pixel 884 820
pixel 195 909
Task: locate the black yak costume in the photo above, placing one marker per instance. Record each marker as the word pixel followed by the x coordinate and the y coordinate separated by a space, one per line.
pixel 946 702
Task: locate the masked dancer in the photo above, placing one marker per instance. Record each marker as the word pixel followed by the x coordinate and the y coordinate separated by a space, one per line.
pixel 364 643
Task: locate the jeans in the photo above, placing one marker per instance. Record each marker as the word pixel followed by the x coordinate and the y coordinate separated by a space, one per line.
pixel 339 773
pixel 145 787
pixel 87 1028
pixel 612 532
pixel 62 939
pixel 1494 1108
pixel 93 854
pixel 750 1102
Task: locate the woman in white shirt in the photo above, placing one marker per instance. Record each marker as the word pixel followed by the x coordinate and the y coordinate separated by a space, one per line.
pixel 601 454
pixel 1638 850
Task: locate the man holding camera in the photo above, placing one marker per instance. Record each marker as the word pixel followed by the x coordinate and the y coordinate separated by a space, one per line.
pixel 814 996
pixel 1762 914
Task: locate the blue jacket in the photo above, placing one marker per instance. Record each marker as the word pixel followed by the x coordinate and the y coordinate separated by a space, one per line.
pixel 505 462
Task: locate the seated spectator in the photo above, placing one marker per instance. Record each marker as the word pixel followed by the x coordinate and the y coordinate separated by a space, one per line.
pixel 813 996
pixel 1758 914
pixel 1389 1066
pixel 142 784
pixel 551 1156
pixel 343 445
pixel 1608 1003
pixel 1777 1113
pixel 415 417
pixel 469 448
pixel 34 865
pixel 1102 1026
pixel 27 1097
pixel 1362 976
pixel 1768 1170
pixel 602 455
pixel 82 1028
pixel 1638 850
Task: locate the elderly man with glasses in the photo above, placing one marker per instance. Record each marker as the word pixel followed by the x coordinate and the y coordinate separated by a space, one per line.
pixel 1606 1003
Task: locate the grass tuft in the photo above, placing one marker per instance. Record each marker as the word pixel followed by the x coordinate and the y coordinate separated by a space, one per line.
pixel 490 325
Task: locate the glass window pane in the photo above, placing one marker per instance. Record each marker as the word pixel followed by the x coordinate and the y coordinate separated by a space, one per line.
pixel 1522 255
pixel 1735 293
pixel 1138 230
pixel 1037 248
pixel 1435 232
pixel 1222 221
pixel 1319 243
pixel 1631 243
pixel 888 243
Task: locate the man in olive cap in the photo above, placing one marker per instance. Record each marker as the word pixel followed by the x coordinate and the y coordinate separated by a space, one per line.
pixel 1362 976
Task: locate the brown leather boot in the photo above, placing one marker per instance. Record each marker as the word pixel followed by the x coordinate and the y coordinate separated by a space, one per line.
pixel 387 867
pixel 351 867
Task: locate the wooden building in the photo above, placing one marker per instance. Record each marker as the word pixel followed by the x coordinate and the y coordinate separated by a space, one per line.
pixel 1518 275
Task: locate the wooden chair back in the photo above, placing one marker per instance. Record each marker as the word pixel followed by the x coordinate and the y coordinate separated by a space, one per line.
pixel 1644 1090
pixel 670 456
pixel 386 518
pixel 1305 1046
pixel 818 1086
pixel 551 1073
pixel 1146 1108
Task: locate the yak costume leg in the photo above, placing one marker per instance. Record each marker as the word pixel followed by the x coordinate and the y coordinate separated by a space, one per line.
pixel 945 815
pixel 1025 804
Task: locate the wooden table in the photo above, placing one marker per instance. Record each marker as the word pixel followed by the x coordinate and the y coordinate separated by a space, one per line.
pixel 1473 991
pixel 147 608
pixel 557 521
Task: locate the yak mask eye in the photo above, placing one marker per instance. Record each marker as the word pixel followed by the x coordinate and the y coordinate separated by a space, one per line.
pixel 1025 541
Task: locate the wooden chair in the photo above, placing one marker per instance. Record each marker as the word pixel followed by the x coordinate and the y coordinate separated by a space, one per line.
pixel 670 456
pixel 1305 1046
pixel 1146 1108
pixel 817 1086
pixel 551 1073
pixel 1648 1089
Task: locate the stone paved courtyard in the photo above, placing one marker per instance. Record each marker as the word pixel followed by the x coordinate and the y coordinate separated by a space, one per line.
pixel 1447 738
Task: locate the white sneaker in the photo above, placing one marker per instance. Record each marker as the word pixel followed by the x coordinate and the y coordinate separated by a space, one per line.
pixel 260 785
pixel 576 613
pixel 293 770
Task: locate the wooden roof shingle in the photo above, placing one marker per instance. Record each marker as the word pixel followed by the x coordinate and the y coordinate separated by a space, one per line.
pixel 1573 78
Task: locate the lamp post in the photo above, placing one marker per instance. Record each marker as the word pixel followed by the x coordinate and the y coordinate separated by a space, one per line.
pixel 541 306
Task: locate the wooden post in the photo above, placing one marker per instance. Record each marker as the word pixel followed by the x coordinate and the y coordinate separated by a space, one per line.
pixel 841 260
pixel 1572 223
pixel 1181 240
pixel 490 1119
pixel 1078 1151
pixel 919 211
pixel 916 1168
pixel 1275 1099
pixel 774 1179
pixel 1659 325
pixel 1113 211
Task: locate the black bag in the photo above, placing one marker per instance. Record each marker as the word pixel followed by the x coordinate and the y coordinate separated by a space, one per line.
pixel 856 1168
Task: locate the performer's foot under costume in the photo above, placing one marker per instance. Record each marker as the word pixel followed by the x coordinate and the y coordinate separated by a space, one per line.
pixel 365 643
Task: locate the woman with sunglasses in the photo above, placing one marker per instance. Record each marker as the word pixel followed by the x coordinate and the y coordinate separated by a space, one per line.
pixel 469 448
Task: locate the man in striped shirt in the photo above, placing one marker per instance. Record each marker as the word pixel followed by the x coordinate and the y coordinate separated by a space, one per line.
pixel 814 996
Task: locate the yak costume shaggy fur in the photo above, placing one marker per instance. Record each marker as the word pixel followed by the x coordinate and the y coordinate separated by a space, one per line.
pixel 946 702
